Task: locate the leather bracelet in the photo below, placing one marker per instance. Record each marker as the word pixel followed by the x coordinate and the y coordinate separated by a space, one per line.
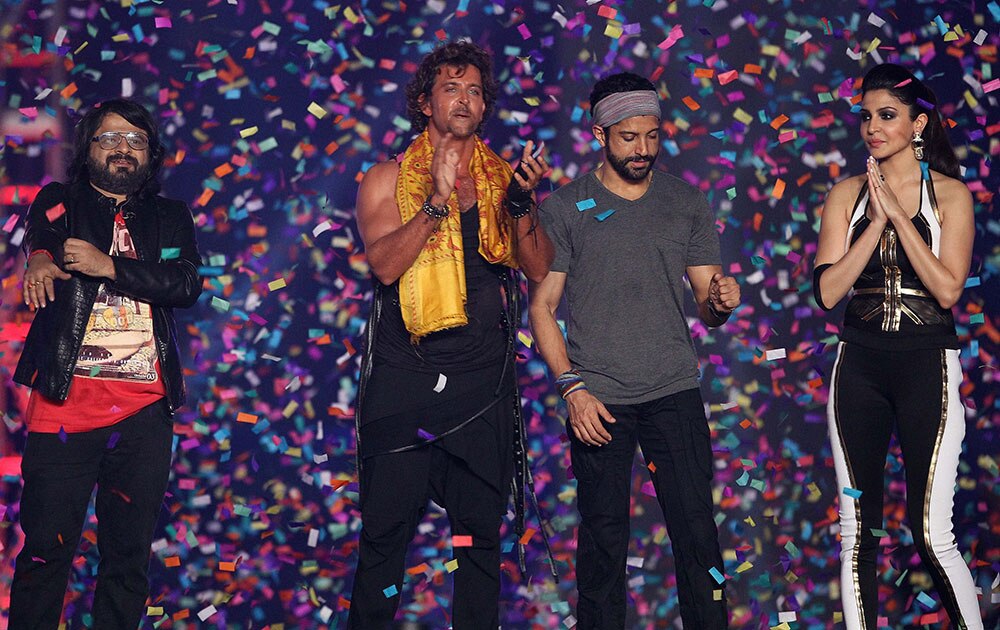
pixel 434 212
pixel 516 210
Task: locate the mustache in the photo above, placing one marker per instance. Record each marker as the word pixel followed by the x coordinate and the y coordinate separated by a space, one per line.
pixel 128 158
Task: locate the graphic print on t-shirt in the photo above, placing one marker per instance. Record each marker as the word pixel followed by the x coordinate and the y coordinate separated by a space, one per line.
pixel 118 343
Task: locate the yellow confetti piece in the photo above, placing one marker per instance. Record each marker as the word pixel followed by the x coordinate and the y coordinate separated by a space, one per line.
pixel 532 100
pixel 154 611
pixel 316 110
pixel 274 285
pixel 451 566
pixel 742 116
pixel 771 50
pixel 746 566
pixel 120 37
pixel 524 338
pixel 613 29
pixel 873 45
pixel 249 131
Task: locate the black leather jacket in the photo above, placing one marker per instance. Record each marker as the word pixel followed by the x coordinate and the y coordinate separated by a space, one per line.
pixel 165 275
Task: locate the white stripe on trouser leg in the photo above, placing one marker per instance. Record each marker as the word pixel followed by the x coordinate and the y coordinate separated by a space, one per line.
pixel 850 511
pixel 938 530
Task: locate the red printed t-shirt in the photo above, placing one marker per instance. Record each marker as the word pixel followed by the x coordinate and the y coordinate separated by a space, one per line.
pixel 117 372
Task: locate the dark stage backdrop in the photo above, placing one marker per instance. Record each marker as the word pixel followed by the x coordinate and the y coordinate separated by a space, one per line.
pixel 272 110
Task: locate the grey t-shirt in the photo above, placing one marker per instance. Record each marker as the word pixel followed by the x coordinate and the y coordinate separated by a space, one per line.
pixel 626 331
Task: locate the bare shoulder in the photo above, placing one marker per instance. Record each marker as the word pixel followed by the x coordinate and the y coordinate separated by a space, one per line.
pixel 952 189
pixel 848 188
pixel 381 174
pixel 842 195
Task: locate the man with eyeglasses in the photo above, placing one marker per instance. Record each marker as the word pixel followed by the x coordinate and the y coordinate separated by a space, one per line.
pixel 108 261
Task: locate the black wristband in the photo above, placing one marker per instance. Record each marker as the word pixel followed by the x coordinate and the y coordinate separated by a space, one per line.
pixel 517 210
pixel 722 317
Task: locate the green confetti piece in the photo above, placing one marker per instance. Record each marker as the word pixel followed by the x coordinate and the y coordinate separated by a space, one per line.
pixel 169 253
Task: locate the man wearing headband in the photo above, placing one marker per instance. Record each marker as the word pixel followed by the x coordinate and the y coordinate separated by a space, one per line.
pixel 625 235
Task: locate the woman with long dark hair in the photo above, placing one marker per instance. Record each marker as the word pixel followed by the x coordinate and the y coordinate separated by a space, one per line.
pixel 899 239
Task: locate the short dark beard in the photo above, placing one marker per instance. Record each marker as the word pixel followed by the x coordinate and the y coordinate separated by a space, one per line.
pixel 623 168
pixel 118 182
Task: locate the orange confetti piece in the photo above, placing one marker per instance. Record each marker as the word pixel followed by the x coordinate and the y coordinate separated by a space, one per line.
pixel 691 103
pixel 778 122
pixel 417 570
pixel 752 68
pixel 779 189
pixel 227 566
pixel 249 418
pixel 651 466
pixel 206 196
pixel 526 536
pixel 68 91
pixel 704 73
pixel 172 561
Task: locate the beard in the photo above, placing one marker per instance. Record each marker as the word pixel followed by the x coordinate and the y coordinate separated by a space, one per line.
pixel 632 168
pixel 116 180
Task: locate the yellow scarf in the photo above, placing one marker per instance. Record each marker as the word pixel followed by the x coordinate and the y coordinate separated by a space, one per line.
pixel 432 291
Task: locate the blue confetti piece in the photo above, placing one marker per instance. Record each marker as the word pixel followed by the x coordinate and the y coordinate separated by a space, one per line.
pixel 62 435
pixel 604 215
pixel 852 492
pixel 995 10
pixel 974 281
pixel 926 600
pixel 586 204
pixel 168 253
pixel 390 591
pixel 718 577
pixel 942 27
pixel 113 439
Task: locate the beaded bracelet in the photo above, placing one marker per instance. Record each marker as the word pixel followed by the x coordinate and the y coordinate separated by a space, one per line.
pixel 435 212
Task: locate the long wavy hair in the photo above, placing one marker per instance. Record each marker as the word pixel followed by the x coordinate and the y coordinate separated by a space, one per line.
pixel 136 115
pixel 912 92
pixel 458 55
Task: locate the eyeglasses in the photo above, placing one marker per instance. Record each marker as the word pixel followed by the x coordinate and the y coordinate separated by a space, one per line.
pixel 111 139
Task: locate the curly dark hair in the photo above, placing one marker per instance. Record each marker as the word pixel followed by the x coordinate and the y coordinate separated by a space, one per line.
pixel 615 83
pixel 136 115
pixel 459 55
pixel 910 90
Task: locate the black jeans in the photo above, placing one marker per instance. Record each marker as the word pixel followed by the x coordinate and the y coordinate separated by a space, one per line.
pixel 674 437
pixel 130 464
pixel 394 492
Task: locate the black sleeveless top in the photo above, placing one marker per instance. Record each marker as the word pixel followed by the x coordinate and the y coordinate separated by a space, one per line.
pixel 480 343
pixel 890 307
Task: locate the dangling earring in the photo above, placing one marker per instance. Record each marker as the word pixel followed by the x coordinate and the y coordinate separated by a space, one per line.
pixel 918 145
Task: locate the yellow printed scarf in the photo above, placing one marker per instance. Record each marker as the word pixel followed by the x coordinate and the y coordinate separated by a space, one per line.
pixel 432 291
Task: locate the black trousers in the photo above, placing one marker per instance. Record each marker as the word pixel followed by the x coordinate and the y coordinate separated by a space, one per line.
pixel 394 493
pixel 915 394
pixel 674 437
pixel 130 464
